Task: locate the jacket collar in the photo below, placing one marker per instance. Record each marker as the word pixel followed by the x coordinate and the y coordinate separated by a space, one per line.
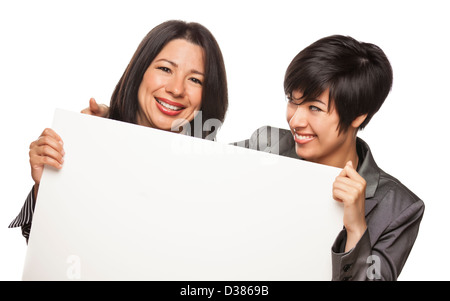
pixel 370 171
pixel 367 167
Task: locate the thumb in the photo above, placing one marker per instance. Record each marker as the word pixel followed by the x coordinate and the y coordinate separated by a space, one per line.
pixel 343 172
pixel 93 106
pixel 350 164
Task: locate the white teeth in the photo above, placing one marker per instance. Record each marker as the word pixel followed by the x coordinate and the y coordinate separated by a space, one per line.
pixel 166 105
pixel 301 137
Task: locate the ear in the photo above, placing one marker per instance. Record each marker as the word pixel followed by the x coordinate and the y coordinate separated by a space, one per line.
pixel 358 121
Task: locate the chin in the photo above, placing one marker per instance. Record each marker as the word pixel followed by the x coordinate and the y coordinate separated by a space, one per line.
pixel 305 155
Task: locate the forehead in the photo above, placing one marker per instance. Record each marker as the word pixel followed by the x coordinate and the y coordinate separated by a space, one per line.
pixel 324 97
pixel 183 53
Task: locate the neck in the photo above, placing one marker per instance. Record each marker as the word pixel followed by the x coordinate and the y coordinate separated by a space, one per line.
pixel 343 153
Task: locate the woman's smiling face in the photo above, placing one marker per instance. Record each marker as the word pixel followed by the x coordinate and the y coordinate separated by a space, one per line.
pixel 314 126
pixel 170 93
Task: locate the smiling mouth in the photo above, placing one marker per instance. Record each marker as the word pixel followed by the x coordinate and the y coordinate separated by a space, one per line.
pixel 169 106
pixel 303 138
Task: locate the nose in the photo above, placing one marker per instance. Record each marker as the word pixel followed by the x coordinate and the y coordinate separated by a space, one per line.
pixel 297 116
pixel 175 86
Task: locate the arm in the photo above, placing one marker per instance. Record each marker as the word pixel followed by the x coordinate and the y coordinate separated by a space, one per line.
pixel 384 258
pixel 25 217
pixel 378 251
pixel 350 188
pixel 46 150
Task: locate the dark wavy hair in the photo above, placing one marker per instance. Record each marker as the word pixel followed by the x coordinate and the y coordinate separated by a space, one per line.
pixel 358 75
pixel 124 103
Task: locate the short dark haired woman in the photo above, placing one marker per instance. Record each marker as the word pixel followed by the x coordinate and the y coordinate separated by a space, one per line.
pixel 334 87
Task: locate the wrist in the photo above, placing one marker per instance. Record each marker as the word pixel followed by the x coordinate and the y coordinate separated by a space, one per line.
pixel 35 190
pixel 357 230
pixel 354 235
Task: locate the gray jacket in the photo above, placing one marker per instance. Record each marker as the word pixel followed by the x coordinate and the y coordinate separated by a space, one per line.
pixel 393 214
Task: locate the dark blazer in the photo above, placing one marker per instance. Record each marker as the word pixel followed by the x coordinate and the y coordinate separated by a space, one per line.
pixel 393 214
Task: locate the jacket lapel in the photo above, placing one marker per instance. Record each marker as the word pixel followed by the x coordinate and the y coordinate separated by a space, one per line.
pixel 370 171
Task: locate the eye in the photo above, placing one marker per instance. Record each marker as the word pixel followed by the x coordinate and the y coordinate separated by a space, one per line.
pixel 196 80
pixel 315 109
pixel 165 69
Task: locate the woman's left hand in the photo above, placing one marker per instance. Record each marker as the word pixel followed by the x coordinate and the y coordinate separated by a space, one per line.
pixel 350 188
pixel 95 109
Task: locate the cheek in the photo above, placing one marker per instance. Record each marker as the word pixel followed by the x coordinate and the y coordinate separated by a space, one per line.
pixel 148 86
pixel 151 82
pixel 327 132
pixel 332 128
pixel 196 98
pixel 289 113
pixel 141 91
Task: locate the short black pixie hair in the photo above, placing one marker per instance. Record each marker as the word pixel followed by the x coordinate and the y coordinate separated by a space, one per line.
pixel 358 75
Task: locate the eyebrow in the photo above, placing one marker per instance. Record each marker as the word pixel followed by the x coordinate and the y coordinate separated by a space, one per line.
pixel 316 100
pixel 308 100
pixel 176 65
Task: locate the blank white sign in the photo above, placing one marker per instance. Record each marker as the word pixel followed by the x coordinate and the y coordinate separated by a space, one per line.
pixel 135 203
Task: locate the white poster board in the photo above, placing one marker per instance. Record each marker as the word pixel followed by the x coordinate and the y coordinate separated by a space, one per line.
pixel 135 203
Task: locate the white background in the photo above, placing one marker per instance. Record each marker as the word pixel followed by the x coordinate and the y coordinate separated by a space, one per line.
pixel 61 53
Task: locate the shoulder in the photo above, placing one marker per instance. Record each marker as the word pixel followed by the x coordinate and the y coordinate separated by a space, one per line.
pixel 396 208
pixel 271 140
pixel 391 186
pixel 395 194
pixel 389 203
pixel 381 186
pixel 269 136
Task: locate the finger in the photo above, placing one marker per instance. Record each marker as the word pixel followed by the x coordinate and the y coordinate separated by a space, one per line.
pixel 48 151
pixel 93 106
pixel 349 182
pixel 352 173
pixel 350 185
pixel 346 193
pixel 47 146
pixel 343 173
pixel 51 133
pixel 48 141
pixel 103 110
pixel 339 185
pixel 349 163
pixel 339 195
pixel 39 161
pixel 348 190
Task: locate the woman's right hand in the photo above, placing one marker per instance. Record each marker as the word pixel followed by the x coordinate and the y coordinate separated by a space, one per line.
pixel 95 109
pixel 46 150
